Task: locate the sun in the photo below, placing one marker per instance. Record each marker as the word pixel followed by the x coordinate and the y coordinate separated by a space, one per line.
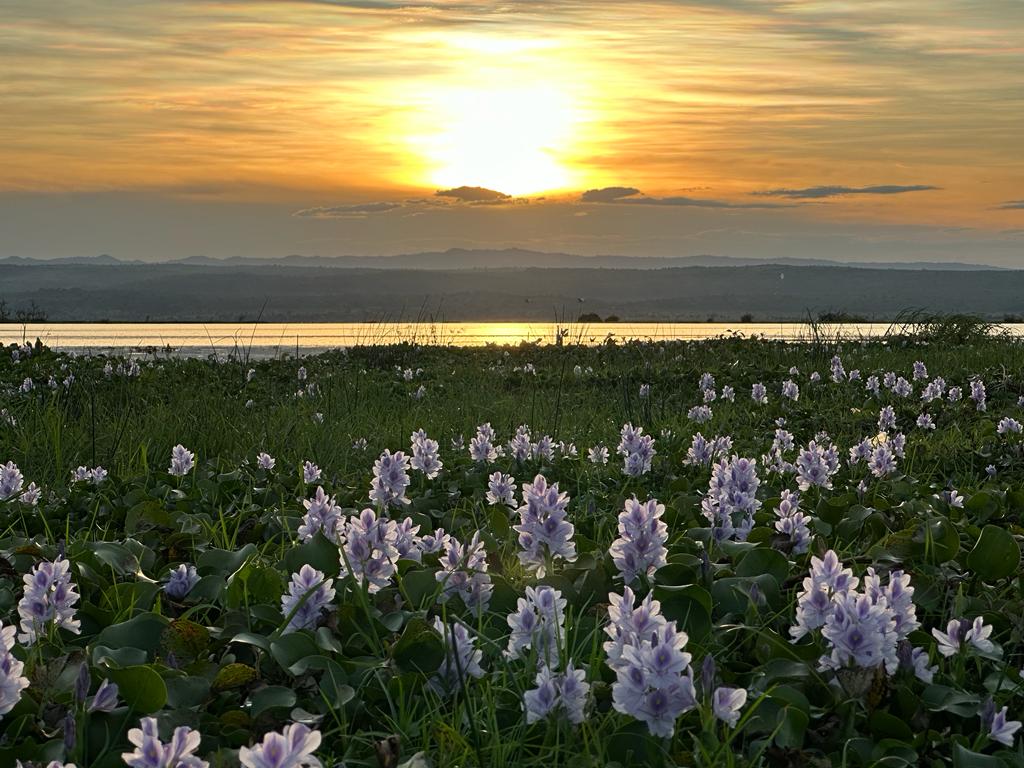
pixel 509 138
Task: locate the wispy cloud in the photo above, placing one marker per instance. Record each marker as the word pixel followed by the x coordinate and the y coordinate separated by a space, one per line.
pixel 346 211
pixel 815 193
pixel 633 196
pixel 1011 205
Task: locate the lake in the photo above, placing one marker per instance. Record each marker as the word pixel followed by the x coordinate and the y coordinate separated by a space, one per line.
pixel 273 339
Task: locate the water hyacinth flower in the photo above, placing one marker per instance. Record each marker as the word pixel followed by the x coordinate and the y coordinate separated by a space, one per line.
pixel 543 449
pixel 310 472
pixel 461 661
pixel 710 396
pixel 538 624
pixel 707 382
pixel 481 447
pixel 520 446
pixel 309 594
pixel 816 465
pixel 792 523
pixel 637 450
pixel 501 489
pixel 182 461
pixel 567 450
pixel 11 480
pixel 30 495
pixel 322 515
pixel 790 390
pixel 924 421
pixel 978 394
pixel 920 370
pixel 432 543
pixel 882 461
pixel 544 533
pixel 640 548
pixel 935 390
pixel 871 385
pixel 700 414
pixel 368 550
pixel 1009 426
pixel 598 454
pixel 265 461
pixel 815 377
pixel 557 694
pixel 999 728
pixel 955 394
pixel 903 388
pixel 838 372
pixel 12 681
pixel 645 391
pixel 390 480
pixel 150 752
pixel 731 500
pixel 47 601
pixel 180 581
pixel 425 455
pixel 700 453
pixel 463 571
pixel 654 682
pixel 105 699
pixel 886 419
pixel 759 394
pixel 293 748
pixel 726 704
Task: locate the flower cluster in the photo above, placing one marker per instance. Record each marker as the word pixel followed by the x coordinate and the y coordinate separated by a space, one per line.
pixel 557 693
pixel 640 548
pixel 425 455
pixel 461 660
pixel 731 500
pixel 182 461
pixel 816 465
pixel 12 682
pixel 11 480
pixel 368 550
pixel 636 449
pixel 792 523
pixel 544 533
pixel 47 601
pixel 390 480
pixel 309 593
pixel 481 447
pixel 464 571
pixel 322 515
pixel 863 628
pixel 501 489
pixel 180 581
pixel 150 752
pixel 654 682
pixel 293 748
pixel 537 624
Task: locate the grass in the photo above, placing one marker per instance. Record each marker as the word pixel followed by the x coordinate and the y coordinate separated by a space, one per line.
pixel 219 661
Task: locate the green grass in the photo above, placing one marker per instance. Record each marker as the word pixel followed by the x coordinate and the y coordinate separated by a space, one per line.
pixel 373 654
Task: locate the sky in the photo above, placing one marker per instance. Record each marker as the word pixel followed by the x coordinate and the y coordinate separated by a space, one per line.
pixel 861 130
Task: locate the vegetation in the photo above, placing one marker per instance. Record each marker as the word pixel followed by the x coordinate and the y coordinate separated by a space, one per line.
pixel 367 671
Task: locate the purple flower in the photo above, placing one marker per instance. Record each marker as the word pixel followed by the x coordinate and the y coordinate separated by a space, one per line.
pixel 598 455
pixel 501 489
pixel 731 500
pixel 182 461
pixel 425 455
pixel 462 658
pixel 390 480
pixel 816 465
pixel 47 601
pixel 537 624
pixel 309 593
pixel 293 748
pixel 265 461
pixel 150 752
pixel 791 390
pixel 637 450
pixel 792 523
pixel 12 681
pixel 640 548
pixel 11 480
pixel 368 550
pixel 181 580
pixel 322 515
pixel 555 694
pixel 999 728
pixel 726 703
pixel 463 572
pixel 759 394
pixel 978 394
pixel 105 699
pixel 544 533
pixel 1008 426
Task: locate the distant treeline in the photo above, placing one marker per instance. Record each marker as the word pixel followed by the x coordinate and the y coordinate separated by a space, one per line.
pixel 183 292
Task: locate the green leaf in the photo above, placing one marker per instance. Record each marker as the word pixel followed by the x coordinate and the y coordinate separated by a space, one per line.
pixel 140 687
pixel 965 758
pixel 764 560
pixel 420 648
pixel 271 697
pixel 292 647
pixel 145 631
pixel 996 555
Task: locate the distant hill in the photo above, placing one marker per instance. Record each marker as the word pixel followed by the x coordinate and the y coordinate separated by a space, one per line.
pixel 189 291
pixel 509 258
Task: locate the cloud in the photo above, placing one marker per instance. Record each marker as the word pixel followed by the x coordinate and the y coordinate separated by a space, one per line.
pixel 633 196
pixel 473 194
pixel 815 193
pixel 608 194
pixel 346 211
pixel 1011 205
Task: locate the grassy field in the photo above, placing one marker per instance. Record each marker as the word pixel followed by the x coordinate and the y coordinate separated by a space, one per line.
pixel 396 646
